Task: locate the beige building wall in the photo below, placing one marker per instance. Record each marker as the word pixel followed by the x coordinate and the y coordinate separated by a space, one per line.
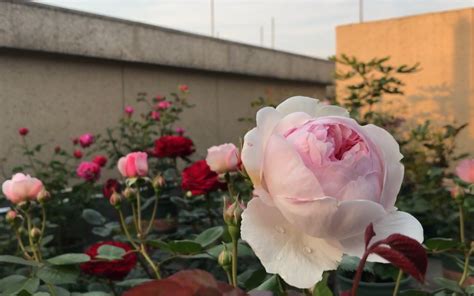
pixel 443 43
pixel 64 73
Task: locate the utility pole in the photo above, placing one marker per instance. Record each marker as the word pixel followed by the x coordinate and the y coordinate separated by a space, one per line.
pixel 361 11
pixel 273 32
pixel 261 35
pixel 212 18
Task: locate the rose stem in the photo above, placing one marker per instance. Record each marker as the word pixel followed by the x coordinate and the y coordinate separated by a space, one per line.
pixel 397 283
pixel 358 275
pixel 466 267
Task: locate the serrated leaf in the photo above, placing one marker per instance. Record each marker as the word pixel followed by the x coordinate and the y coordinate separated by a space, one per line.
pixel 17 260
pixel 109 252
pixel 209 236
pixel 93 217
pixel 72 258
pixel 58 275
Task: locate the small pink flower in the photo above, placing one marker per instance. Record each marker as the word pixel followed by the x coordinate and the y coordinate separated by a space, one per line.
pixel 88 171
pixel 21 188
pixel 223 158
pixel 129 110
pixel 134 164
pixel 86 140
pixel 180 131
pixel 101 160
pixel 184 88
pixel 163 105
pixel 465 170
pixel 23 131
pixel 77 154
pixel 155 115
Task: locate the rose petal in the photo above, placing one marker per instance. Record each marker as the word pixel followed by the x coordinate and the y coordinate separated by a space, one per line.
pixel 298 258
pixel 393 222
pixel 252 156
pixel 330 110
pixel 391 156
pixel 299 104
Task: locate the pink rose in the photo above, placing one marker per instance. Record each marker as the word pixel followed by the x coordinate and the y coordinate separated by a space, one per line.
pixel 155 115
pixel 180 131
pixel 183 88
pixel 89 171
pixel 134 164
pixel 129 110
pixel 223 158
pixel 101 160
pixel 86 140
pixel 21 188
pixel 465 170
pixel 163 105
pixel 23 131
pixel 77 154
pixel 319 179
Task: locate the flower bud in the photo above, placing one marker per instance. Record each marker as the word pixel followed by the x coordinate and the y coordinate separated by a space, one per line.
pixel 189 194
pixel 130 193
pixel 232 212
pixel 11 216
pixel 225 259
pixel 158 182
pixel 115 199
pixel 43 196
pixel 35 233
pixel 457 192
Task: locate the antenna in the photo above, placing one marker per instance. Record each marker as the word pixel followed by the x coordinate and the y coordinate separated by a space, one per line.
pixel 273 32
pixel 212 18
pixel 261 35
pixel 361 11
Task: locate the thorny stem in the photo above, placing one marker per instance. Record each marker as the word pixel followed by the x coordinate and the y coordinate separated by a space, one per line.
pixel 22 246
pixel 461 223
pixel 153 215
pixel 397 283
pixel 466 267
pixel 234 261
pixel 150 261
pixel 125 229
pixel 139 213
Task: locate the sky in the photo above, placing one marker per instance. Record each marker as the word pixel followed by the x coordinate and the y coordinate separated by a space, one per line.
pixel 301 26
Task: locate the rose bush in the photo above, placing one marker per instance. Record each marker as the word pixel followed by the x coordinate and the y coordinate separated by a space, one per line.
pixel 320 178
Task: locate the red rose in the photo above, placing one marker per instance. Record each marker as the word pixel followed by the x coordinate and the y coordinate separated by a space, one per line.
pixel 100 160
pixel 199 179
pixel 173 146
pixel 77 154
pixel 114 270
pixel 111 186
pixel 23 131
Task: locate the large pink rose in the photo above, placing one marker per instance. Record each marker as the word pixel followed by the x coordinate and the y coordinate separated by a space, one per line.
pixel 223 158
pixel 319 178
pixel 134 164
pixel 21 188
pixel 465 170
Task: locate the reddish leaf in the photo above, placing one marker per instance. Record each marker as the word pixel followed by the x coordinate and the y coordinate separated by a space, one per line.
pixel 411 248
pixel 369 234
pixel 404 261
pixel 184 283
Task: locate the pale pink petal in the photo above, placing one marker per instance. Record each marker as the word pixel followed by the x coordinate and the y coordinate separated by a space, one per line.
pixel 283 249
pixel 21 189
pixel 130 165
pixel 291 121
pixel 391 156
pixel 285 174
pixel 121 166
pixel 19 177
pixel 35 188
pixel 299 104
pixel 330 110
pixel 393 222
pixel 465 170
pixel 141 163
pixel 252 158
pixel 7 190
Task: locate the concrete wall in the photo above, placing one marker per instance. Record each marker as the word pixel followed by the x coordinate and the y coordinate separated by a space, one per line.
pixel 64 73
pixel 443 43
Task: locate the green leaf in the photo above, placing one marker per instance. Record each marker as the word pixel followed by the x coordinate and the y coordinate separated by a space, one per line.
pixel 41 294
pixel 58 275
pixel 72 258
pixel 57 290
pixel 93 217
pixel 10 280
pixel 470 290
pixel 321 288
pixel 209 236
pixel 271 284
pixel 109 252
pixel 102 231
pixel 251 278
pixel 132 282
pixel 243 250
pixel 439 244
pixel 29 285
pixel 17 260
pixel 184 247
pixel 449 284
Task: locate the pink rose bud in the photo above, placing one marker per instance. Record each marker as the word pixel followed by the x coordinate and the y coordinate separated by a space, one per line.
pixel 163 105
pixel 89 171
pixel 134 164
pixel 232 212
pixel 23 131
pixel 223 158
pixel 115 199
pixel 21 188
pixel 155 115
pixel 101 160
pixel 456 192
pixel 44 196
pixel 77 154
pixel 86 140
pixel 465 170
pixel 180 131
pixel 35 234
pixel 184 88
pixel 11 216
pixel 129 110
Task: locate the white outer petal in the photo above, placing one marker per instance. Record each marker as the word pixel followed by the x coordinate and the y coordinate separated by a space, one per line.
pixel 394 169
pixel 298 258
pixel 310 106
pixel 394 222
